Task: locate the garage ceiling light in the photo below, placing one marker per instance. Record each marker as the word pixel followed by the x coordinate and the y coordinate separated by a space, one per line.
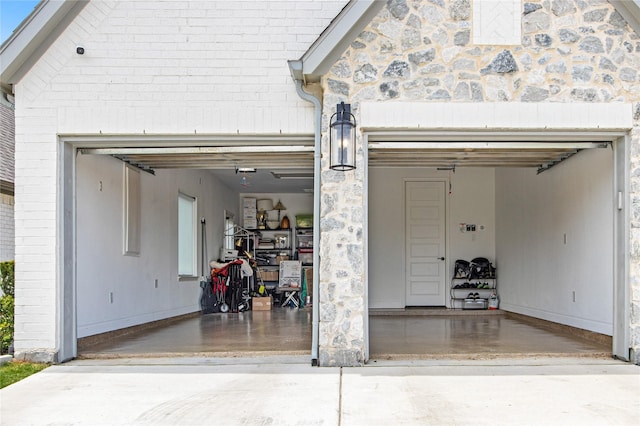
pixel 245 169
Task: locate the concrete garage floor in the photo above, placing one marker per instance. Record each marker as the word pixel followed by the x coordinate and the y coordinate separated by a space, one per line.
pixel 394 335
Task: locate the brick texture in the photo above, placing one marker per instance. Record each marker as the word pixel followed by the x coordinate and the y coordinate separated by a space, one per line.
pixel 171 67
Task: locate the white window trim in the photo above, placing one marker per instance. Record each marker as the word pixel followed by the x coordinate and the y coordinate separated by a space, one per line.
pixel 194 235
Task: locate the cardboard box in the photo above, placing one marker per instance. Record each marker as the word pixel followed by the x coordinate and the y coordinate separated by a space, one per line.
pixel 281 258
pixel 308 273
pixel 269 275
pixel 262 303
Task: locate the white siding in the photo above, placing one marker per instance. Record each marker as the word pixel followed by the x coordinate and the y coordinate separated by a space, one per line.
pixel 7 241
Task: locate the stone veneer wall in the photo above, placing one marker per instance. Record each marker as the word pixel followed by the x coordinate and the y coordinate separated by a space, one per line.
pixel 571 51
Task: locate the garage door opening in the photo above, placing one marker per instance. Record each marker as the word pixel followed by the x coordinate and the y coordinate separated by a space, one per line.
pixel 146 300
pixel 542 211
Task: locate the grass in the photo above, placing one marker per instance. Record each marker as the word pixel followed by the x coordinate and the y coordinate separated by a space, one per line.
pixel 12 372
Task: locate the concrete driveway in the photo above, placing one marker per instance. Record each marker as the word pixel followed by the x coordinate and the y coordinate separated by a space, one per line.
pixel 287 390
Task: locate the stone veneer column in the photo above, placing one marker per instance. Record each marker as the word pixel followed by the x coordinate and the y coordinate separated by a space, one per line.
pixel 342 253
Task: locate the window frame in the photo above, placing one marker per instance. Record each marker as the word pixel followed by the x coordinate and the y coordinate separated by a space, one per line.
pixel 192 229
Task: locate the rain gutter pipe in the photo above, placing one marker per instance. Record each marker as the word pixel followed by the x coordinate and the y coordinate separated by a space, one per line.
pixel 296 72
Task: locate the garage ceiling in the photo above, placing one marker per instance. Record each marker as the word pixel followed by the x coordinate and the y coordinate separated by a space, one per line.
pixel 285 164
pixel 282 163
pixel 540 149
pixel 541 155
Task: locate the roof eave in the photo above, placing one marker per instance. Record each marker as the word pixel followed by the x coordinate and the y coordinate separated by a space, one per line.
pixel 33 37
pixel 334 40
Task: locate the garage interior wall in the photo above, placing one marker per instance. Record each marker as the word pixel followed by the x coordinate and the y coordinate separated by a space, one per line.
pixel 539 274
pixel 472 200
pixel 115 290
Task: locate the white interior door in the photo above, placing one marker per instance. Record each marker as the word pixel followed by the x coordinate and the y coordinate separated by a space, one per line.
pixel 425 243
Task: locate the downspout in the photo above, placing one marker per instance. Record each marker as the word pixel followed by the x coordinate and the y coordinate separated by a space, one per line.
pixel 296 72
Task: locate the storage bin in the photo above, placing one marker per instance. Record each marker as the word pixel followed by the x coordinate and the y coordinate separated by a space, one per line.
pixel 305 256
pixel 249 203
pixel 304 221
pixel 474 304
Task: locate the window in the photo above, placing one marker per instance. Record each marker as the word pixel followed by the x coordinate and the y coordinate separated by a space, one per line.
pixel 187 235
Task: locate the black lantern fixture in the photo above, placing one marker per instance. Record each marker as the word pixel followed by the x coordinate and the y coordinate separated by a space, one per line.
pixel 342 139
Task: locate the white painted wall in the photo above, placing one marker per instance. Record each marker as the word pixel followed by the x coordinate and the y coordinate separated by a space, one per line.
pixel 537 272
pixel 472 200
pixel 101 266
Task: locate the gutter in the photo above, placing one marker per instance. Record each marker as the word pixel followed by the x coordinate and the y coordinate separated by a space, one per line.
pixel 295 67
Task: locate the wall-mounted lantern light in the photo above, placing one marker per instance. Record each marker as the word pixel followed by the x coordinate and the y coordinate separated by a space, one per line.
pixel 342 139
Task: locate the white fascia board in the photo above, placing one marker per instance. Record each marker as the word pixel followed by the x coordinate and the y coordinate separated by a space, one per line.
pixel 34 35
pixel 630 11
pixel 493 116
pixel 335 39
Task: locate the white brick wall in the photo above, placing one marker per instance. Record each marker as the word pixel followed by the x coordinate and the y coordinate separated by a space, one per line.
pixel 205 66
pixel 154 67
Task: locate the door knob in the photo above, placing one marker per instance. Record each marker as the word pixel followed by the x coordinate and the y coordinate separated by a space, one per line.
pixel 441 258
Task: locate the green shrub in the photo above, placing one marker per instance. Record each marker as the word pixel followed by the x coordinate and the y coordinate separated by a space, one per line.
pixel 7 305
pixel 7 278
